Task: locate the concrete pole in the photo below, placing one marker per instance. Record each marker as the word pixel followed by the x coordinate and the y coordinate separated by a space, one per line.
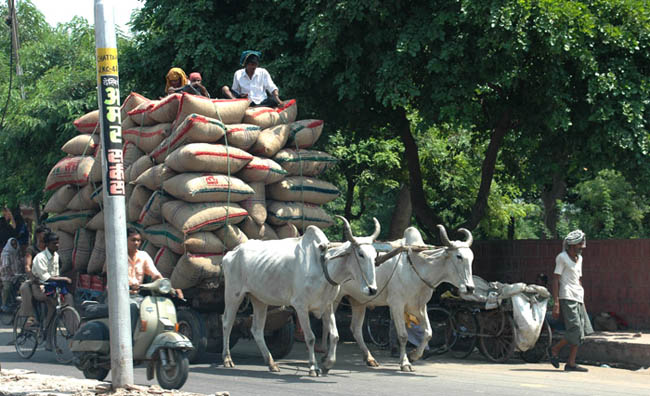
pixel 108 87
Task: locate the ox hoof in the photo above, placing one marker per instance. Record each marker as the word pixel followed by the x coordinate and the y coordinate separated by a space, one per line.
pixel 314 373
pixel 372 363
pixel 228 363
pixel 274 368
pixel 407 368
pixel 413 356
pixel 324 371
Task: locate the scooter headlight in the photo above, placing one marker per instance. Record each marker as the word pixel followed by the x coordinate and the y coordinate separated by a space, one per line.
pixel 164 286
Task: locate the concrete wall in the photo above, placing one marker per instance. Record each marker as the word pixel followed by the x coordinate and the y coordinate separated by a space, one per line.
pixel 616 273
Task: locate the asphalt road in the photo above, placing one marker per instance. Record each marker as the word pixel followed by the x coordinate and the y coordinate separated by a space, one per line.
pixel 440 376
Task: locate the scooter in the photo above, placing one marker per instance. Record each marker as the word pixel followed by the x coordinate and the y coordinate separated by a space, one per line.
pixel 156 339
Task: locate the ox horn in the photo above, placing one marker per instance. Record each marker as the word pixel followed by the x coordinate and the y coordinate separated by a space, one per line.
pixel 443 235
pixel 377 229
pixel 468 236
pixel 347 230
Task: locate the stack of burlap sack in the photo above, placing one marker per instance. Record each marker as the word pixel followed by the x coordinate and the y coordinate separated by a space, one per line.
pixel 203 176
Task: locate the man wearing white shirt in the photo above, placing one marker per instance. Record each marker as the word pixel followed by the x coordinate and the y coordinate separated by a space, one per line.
pixel 253 82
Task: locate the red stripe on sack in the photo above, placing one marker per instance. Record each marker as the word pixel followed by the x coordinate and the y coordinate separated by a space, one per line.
pixel 315 124
pixel 212 153
pixel 257 167
pixel 217 220
pixel 287 105
pixel 143 134
pixel 61 183
pixel 80 125
pixel 231 130
pixel 204 254
pixel 261 112
pixel 169 99
pixel 139 111
pixel 159 254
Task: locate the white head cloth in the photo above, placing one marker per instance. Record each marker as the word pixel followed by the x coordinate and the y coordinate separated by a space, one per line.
pixel 576 237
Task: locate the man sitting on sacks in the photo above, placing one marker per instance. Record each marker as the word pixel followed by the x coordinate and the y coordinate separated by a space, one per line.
pixel 253 82
pixel 177 82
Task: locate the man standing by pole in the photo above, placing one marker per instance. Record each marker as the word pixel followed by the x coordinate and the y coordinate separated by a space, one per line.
pixel 568 297
pixel 113 194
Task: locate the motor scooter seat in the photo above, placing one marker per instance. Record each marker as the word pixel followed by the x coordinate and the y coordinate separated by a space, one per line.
pixel 96 311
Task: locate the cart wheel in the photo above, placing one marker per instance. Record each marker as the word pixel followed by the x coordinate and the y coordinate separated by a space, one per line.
pixel 498 344
pixel 462 333
pixel 539 351
pixel 376 327
pixel 439 320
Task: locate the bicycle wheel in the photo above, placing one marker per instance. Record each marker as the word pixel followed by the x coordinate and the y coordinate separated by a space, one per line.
pixel 25 338
pixel 439 320
pixel 462 333
pixel 499 344
pixel 377 327
pixel 539 351
pixel 63 328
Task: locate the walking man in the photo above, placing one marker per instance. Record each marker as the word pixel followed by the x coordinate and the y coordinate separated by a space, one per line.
pixel 568 297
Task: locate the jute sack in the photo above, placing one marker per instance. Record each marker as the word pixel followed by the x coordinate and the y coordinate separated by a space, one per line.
pixel 228 111
pixel 128 123
pixel 97 222
pixel 255 205
pixel 207 187
pixel 130 154
pixel 287 231
pixel 193 268
pixel 131 102
pixel 231 236
pixel 138 199
pixel 147 138
pixel 148 247
pixel 203 216
pixel 98 256
pixel 60 199
pixel 138 167
pixel 203 242
pixel 299 214
pixel 154 177
pixel 95 175
pixel 69 170
pixel 69 221
pixel 256 231
pixel 302 189
pixel 166 110
pixel 97 196
pixel 194 129
pixel 267 117
pixel 84 240
pixel 305 133
pixel 271 140
pixel 66 245
pixel 141 115
pixel 83 199
pixel 242 136
pixel 304 162
pixel 205 157
pixel 88 122
pixel 152 210
pixel 81 145
pixel 262 170
pixel 165 260
pixel 165 235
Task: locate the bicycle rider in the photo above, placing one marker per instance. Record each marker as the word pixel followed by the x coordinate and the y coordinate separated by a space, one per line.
pixel 10 267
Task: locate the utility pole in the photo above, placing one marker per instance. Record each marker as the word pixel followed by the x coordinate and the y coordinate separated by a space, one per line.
pixel 16 46
pixel 108 93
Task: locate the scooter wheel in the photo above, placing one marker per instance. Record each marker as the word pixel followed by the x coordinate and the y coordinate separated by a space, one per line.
pixel 173 377
pixel 96 373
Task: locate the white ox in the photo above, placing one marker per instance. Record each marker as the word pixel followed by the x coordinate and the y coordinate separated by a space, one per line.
pixel 305 273
pixel 406 279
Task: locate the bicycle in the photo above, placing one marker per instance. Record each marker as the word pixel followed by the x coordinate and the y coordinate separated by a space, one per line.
pixel 7 315
pixel 58 332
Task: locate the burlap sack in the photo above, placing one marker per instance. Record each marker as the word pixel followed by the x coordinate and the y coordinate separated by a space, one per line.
pixel 203 216
pixel 231 236
pixel 205 157
pixel 152 210
pixel 66 245
pixel 165 235
pixel 69 170
pixel 81 145
pixel 207 187
pixel 98 256
pixel 84 240
pixel 154 177
pixel 141 114
pixel 165 260
pixel 138 199
pixel 97 195
pixel 242 136
pixel 203 242
pixel 95 175
pixel 148 247
pixel 262 170
pixel 130 153
pixel 58 202
pixel 302 189
pixel 83 199
pixel 267 117
pixel 131 102
pixel 138 167
pixel 193 268
pixel 255 205
pixel 147 138
pixel 270 141
pixel 128 123
pixel 69 221
pixel 228 111
pixel 166 109
pixel 96 223
pixel 304 162
pixel 194 129
pixel 287 231
pixel 257 231
pixel 305 133
pixel 88 122
pixel 298 214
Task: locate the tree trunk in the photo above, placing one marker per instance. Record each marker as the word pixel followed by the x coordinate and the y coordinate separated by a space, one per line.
pixel 349 200
pixel 550 195
pixel 401 218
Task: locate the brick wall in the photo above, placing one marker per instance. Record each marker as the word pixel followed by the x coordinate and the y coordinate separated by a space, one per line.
pixel 616 273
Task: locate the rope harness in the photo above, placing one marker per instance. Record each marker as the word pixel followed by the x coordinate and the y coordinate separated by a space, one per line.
pixel 323 263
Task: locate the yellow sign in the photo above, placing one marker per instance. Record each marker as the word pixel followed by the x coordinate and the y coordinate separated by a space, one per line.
pixel 106 62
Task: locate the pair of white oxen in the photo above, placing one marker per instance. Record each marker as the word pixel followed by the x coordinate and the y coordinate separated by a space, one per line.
pixel 311 274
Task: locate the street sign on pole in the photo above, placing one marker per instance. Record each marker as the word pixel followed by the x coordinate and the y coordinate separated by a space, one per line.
pixel 108 92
